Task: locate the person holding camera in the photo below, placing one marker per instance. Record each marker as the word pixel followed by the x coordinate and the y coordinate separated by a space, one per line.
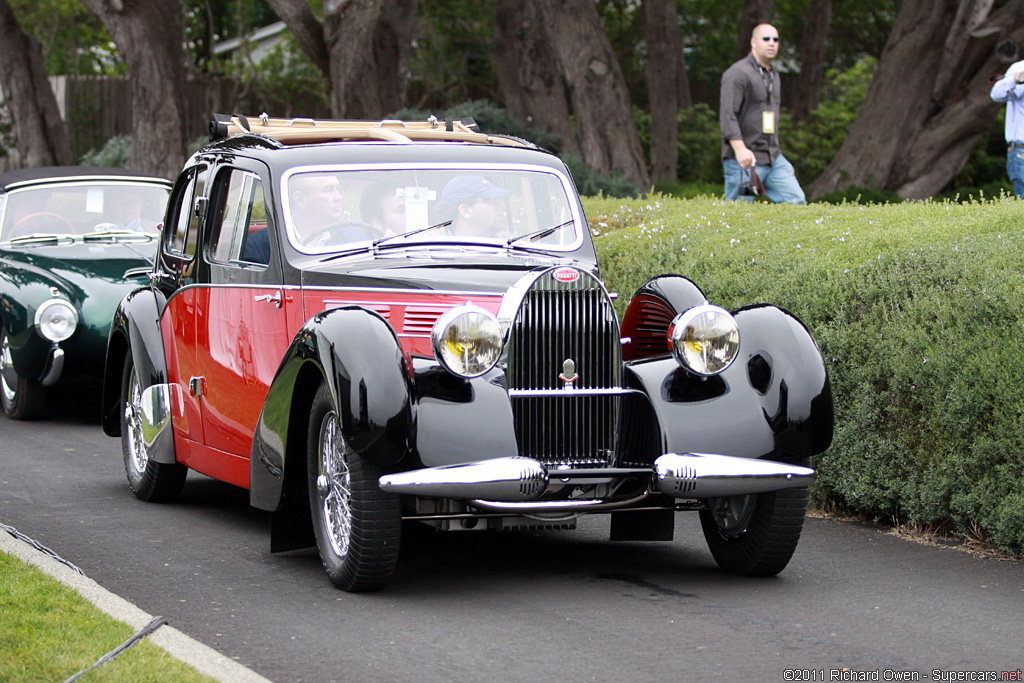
pixel 751 94
pixel 1010 89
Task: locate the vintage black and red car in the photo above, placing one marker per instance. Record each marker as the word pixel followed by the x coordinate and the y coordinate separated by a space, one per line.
pixel 366 324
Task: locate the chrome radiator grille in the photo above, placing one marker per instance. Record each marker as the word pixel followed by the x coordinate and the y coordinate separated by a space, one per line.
pixel 559 321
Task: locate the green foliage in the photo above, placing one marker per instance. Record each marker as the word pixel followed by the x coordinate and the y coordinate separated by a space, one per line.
pixel 918 308
pixel 285 82
pixel 72 39
pixel 811 145
pixel 114 153
pixel 453 59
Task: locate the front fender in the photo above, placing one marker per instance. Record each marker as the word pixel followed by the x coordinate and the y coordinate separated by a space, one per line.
pixel 135 329
pixel 357 353
pixel 774 401
pixel 651 311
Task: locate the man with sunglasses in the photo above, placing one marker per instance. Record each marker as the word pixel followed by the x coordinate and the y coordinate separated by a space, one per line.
pixel 749 116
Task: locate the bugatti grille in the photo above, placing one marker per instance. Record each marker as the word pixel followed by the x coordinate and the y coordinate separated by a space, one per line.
pixel 559 321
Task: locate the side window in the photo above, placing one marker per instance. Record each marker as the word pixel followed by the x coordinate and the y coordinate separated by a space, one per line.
pixel 191 208
pixel 240 228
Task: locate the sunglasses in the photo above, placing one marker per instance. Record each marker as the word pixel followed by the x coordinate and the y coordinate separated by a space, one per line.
pixel 767 38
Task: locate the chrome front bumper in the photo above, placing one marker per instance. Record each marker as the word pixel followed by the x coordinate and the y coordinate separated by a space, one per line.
pixel 522 481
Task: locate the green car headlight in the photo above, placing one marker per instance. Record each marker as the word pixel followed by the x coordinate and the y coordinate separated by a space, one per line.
pixel 705 339
pixel 467 341
pixel 56 320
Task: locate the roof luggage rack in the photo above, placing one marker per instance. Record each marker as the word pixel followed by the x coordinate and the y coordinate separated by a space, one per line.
pixel 301 131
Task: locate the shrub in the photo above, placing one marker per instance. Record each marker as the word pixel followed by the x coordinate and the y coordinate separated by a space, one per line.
pixel 918 308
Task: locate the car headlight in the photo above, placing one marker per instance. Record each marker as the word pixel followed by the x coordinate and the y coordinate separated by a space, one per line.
pixel 56 320
pixel 467 341
pixel 705 339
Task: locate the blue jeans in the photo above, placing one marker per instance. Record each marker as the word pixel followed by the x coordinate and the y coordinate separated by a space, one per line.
pixel 780 183
pixel 1015 169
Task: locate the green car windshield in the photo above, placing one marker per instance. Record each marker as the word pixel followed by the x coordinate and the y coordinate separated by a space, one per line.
pixel 330 210
pixel 82 209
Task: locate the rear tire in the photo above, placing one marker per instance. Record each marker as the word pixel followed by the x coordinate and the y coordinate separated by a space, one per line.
pixel 358 526
pixel 22 399
pixel 151 481
pixel 755 535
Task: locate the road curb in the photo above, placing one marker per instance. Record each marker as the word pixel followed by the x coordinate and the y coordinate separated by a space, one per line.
pixel 204 659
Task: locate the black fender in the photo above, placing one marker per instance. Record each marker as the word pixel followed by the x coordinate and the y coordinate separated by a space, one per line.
pixel 458 419
pixel 135 329
pixel 357 353
pixel 774 401
pixel 651 311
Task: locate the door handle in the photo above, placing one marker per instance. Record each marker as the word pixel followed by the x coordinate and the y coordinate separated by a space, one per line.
pixel 274 298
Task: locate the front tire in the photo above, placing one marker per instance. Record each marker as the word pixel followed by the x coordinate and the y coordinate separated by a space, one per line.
pixel 755 535
pixel 22 399
pixel 154 482
pixel 358 526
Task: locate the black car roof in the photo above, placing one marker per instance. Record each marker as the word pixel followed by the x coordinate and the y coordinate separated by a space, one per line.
pixel 10 179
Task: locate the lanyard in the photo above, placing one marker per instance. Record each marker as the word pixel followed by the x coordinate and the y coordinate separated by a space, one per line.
pixel 769 82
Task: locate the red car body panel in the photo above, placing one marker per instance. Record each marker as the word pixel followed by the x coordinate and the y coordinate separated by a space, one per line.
pixel 232 339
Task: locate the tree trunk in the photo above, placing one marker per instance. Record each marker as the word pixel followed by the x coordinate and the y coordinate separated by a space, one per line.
pixel 600 99
pixel 528 73
pixel 307 31
pixel 918 123
pixel 392 50
pixel 754 12
pixel 348 31
pixel 41 137
pixel 807 95
pixel 150 35
pixel 363 49
pixel 668 86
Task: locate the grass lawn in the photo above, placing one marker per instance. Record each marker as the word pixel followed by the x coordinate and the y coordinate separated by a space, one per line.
pixel 48 632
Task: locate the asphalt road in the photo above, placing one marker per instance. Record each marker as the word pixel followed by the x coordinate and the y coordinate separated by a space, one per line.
pixel 531 607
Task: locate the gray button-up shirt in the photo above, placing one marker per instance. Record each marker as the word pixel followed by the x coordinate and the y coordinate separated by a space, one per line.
pixel 748 90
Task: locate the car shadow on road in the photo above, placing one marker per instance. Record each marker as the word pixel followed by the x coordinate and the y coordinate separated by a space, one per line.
pixel 74 401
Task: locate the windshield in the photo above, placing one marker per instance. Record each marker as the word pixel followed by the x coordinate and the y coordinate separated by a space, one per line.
pixel 328 211
pixel 82 209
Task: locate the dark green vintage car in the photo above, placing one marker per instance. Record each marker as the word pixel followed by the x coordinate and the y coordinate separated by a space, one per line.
pixel 73 242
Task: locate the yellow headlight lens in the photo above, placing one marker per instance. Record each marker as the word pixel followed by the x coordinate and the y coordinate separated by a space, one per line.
pixel 705 339
pixel 467 341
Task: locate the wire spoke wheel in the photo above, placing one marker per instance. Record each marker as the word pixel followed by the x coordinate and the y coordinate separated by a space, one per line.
pixel 334 486
pixel 21 398
pixel 357 525
pixel 149 480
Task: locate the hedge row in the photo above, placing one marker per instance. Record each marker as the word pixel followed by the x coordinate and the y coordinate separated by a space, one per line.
pixel 917 308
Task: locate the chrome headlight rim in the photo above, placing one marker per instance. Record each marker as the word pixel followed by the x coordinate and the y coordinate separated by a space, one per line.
pixel 43 320
pixel 444 324
pixel 699 316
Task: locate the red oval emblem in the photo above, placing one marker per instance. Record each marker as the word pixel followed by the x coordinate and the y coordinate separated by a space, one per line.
pixel 566 274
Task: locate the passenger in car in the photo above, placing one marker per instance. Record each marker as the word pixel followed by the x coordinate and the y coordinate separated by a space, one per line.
pixel 317 211
pixel 257 247
pixel 472 204
pixel 382 207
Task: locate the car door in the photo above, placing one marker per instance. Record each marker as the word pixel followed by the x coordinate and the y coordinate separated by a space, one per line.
pixel 187 210
pixel 241 330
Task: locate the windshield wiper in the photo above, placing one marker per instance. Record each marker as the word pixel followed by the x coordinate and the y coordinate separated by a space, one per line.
pixel 382 240
pixel 40 238
pixel 539 234
pixel 101 235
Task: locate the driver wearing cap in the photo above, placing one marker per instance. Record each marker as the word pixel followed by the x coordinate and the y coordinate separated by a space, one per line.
pixel 472 201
